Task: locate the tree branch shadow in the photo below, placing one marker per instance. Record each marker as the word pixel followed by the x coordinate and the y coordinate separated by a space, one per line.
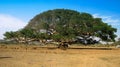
pixel 4 57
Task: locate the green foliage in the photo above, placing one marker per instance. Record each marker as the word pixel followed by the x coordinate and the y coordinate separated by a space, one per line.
pixel 67 24
pixel 57 37
pixel 10 34
pixel 44 36
pixel 27 33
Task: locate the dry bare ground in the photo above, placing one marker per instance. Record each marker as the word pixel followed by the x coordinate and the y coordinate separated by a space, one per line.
pixel 35 56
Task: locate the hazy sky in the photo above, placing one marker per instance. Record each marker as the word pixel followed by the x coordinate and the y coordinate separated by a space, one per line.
pixel 15 14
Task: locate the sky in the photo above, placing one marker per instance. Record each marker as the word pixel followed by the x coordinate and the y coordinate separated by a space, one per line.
pixel 15 14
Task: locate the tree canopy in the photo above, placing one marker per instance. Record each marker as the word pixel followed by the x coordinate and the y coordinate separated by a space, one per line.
pixel 68 24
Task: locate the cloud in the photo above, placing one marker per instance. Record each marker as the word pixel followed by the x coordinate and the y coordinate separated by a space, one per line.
pixel 9 23
pixel 107 19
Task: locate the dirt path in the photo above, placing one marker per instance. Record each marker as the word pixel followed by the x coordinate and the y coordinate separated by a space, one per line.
pixel 42 57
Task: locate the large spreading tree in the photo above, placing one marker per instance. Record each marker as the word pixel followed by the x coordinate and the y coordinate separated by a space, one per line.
pixel 68 24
